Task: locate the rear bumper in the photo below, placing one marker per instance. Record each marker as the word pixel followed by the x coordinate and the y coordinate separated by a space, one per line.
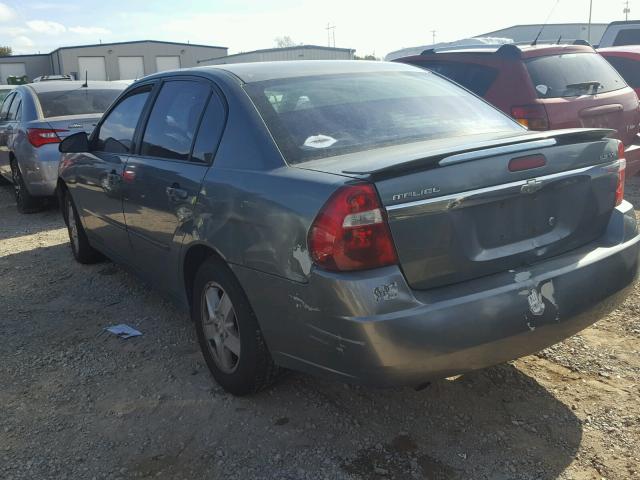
pixel 40 169
pixel 632 155
pixel 370 327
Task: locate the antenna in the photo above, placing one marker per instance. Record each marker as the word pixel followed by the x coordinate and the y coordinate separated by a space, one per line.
pixel 433 37
pixel 535 40
pixel 559 38
pixel 86 79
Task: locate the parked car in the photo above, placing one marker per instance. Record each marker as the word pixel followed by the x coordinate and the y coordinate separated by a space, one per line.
pixel 546 87
pixel 621 33
pixel 369 221
pixel 626 60
pixel 4 91
pixel 34 118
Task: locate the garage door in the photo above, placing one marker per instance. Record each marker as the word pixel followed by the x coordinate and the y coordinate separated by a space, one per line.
pixel 167 63
pixel 131 68
pixel 94 68
pixel 8 69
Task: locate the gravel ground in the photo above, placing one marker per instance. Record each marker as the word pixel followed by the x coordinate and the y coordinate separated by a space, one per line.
pixel 78 403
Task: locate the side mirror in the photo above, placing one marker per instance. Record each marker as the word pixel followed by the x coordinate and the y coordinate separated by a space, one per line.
pixel 76 143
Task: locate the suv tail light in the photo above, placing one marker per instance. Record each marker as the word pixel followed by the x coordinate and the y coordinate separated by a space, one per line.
pixel 41 136
pixel 351 231
pixel 621 174
pixel 534 117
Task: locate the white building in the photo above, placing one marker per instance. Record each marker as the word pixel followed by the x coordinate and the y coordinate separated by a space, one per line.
pixel 299 52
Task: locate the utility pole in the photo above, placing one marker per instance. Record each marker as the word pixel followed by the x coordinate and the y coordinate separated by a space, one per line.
pixel 626 11
pixel 589 28
pixel 433 36
pixel 331 29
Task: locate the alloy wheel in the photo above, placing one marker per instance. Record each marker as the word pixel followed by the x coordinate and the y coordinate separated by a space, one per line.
pixel 73 226
pixel 220 326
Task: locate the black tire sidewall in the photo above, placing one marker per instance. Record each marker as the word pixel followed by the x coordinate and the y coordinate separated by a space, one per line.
pixel 246 377
pixel 84 253
pixel 26 203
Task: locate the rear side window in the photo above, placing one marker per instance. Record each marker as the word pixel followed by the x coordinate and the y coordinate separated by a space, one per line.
pixel 477 78
pixel 174 119
pixel 628 68
pixel 14 110
pixel 628 36
pixel 572 75
pixel 210 131
pixel 76 102
pixel 117 129
pixel 5 106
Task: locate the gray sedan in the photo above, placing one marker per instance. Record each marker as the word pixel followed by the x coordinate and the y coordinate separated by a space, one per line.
pixel 34 118
pixel 367 221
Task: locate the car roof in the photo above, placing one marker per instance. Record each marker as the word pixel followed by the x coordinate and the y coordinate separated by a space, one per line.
pixel 262 71
pixel 509 49
pixel 66 85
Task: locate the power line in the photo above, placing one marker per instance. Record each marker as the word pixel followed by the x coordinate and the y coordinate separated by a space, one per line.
pixel 331 31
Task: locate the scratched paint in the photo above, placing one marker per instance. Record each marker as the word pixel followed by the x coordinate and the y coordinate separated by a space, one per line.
pixel 300 303
pixel 302 256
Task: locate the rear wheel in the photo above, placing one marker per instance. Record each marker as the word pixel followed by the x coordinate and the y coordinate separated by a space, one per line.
pixel 25 202
pixel 228 332
pixel 83 252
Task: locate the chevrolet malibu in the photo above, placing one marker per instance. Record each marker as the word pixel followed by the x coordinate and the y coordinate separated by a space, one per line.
pixel 367 221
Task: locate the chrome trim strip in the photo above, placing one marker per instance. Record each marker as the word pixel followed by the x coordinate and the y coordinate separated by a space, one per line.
pixel 455 199
pixel 490 152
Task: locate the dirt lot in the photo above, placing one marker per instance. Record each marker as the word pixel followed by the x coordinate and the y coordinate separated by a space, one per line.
pixel 76 402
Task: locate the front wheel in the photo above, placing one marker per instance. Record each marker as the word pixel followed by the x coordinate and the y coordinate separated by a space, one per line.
pixel 25 202
pixel 83 252
pixel 228 332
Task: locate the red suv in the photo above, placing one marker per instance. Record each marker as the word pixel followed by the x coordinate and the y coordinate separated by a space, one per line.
pixel 545 87
pixel 626 61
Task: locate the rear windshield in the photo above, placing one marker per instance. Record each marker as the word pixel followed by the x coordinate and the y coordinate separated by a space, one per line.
pixel 572 75
pixel 627 36
pixel 322 116
pixel 76 102
pixel 477 78
pixel 628 68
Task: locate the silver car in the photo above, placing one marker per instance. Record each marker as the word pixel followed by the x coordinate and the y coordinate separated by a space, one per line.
pixel 34 118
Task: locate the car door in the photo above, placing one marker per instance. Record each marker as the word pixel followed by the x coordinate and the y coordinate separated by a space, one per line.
pixel 5 170
pixel 99 174
pixel 176 148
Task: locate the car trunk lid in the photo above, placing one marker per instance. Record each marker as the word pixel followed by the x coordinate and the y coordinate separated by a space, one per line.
pixel 71 124
pixel 463 214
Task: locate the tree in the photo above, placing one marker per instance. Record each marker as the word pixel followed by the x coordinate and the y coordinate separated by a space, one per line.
pixel 5 51
pixel 366 57
pixel 286 41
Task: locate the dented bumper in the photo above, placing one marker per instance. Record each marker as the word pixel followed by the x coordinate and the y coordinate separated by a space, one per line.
pixel 370 327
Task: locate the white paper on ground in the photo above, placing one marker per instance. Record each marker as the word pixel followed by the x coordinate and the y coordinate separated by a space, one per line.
pixel 124 331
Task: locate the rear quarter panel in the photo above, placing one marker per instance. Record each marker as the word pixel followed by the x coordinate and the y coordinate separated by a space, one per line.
pixel 253 209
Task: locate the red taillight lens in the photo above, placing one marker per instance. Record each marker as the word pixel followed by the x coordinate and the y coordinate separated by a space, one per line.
pixel 534 117
pixel 621 174
pixel 351 232
pixel 41 136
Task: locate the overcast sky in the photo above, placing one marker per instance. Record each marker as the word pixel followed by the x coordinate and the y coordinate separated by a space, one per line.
pixel 31 26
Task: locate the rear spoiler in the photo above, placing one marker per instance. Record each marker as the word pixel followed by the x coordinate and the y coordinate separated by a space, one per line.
pixel 474 151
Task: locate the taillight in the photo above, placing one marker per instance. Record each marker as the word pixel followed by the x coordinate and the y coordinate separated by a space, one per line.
pixel 534 117
pixel 621 174
pixel 351 231
pixel 41 136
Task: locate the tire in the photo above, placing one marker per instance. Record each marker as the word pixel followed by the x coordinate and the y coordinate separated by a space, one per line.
pixel 228 332
pixel 82 250
pixel 25 202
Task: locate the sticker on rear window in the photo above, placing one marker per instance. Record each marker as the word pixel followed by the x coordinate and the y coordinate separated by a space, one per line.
pixel 319 141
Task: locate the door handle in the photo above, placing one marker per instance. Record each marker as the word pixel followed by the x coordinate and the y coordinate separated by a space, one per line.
pixel 174 192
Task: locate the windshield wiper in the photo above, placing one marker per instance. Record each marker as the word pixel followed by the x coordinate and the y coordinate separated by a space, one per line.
pixel 585 85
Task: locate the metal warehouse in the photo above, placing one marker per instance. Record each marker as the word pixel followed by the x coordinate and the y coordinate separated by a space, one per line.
pixel 299 52
pixel 109 61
